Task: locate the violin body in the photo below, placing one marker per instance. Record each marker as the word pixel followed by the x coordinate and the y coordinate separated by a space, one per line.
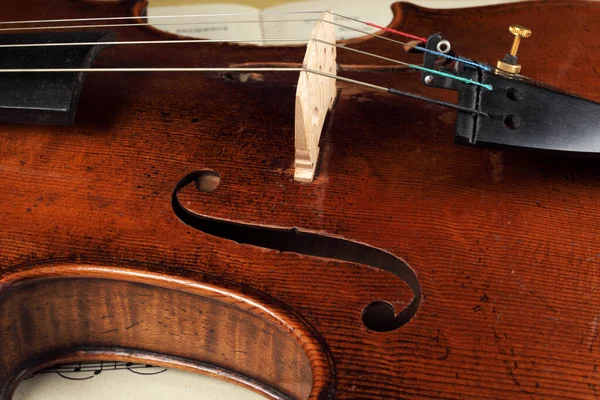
pixel 96 265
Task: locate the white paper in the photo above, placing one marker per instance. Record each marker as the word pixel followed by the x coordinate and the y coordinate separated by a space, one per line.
pixel 378 12
pixel 218 27
pixel 259 24
pixel 127 385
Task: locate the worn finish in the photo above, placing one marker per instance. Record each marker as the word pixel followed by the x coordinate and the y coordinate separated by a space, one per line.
pixel 182 318
pixel 505 244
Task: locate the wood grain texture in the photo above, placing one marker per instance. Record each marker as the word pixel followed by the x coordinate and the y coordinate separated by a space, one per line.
pixel 505 244
pixel 82 308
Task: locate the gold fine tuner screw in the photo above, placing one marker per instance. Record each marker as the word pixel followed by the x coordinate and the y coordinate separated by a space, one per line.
pixel 509 63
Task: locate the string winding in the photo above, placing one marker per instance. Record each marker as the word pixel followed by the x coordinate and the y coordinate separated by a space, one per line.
pixel 437 53
pixel 412 66
pixel 417 47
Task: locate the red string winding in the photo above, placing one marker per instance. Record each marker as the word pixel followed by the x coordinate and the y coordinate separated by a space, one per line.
pixel 408 35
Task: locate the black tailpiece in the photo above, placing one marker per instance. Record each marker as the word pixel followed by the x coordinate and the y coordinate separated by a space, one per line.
pixel 522 113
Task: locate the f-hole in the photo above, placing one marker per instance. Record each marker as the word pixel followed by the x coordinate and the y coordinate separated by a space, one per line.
pixel 379 316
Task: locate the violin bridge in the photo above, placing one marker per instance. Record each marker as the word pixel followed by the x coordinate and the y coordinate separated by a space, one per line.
pixel 314 98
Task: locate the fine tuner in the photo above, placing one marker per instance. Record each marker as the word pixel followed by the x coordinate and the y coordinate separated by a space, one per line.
pixel 509 63
pixel 496 106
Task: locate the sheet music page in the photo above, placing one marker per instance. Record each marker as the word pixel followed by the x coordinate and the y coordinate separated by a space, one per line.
pixel 280 26
pixel 93 381
pixel 377 11
pixel 208 27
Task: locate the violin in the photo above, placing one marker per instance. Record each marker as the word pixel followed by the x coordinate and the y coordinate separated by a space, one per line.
pixel 444 243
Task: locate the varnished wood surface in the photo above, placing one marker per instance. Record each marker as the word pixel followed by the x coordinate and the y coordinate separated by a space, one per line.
pixel 201 322
pixel 505 244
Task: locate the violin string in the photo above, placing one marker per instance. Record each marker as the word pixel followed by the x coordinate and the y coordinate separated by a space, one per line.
pixel 438 53
pixel 149 42
pixel 408 35
pixel 416 47
pixel 140 24
pixel 46 21
pixel 388 90
pixel 401 93
pixel 241 41
pixel 253 70
pixel 184 41
pixel 444 55
pixel 394 31
pixel 154 69
pixel 409 65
